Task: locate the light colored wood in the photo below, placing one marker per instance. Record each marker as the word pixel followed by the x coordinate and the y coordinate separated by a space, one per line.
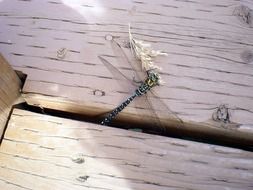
pixel 210 47
pixel 44 152
pixel 9 91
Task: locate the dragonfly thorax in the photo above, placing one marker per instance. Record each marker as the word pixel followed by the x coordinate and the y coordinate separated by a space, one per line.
pixel 152 80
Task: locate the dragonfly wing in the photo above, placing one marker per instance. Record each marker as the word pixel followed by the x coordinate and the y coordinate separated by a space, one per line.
pixel 151 102
pixel 134 64
pixel 161 107
pixel 125 82
pixel 147 111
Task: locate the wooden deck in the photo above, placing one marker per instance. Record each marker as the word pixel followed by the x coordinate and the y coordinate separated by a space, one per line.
pixel 208 83
pixel 10 87
pixel 209 43
pixel 43 152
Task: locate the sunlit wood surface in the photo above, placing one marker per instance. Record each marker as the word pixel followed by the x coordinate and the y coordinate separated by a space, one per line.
pixel 43 152
pixel 209 63
pixel 9 91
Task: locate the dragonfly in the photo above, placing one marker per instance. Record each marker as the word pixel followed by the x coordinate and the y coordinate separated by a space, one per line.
pixel 142 84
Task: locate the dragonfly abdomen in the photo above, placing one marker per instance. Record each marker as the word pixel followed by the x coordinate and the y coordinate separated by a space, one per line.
pixel 116 111
pixel 143 89
pixel 149 83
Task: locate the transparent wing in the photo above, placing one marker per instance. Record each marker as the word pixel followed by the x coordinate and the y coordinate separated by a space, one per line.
pixel 150 104
pixel 160 106
pixel 144 104
pixel 159 115
pixel 139 75
pixel 125 82
pixel 152 100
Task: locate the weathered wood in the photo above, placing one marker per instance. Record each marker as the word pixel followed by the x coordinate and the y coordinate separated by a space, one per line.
pixel 9 91
pixel 44 152
pixel 209 64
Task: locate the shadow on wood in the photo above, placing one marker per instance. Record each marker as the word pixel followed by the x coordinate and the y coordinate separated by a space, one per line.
pixel 10 86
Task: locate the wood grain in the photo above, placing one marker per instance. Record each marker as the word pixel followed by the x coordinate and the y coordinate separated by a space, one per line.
pixel 44 152
pixel 210 47
pixel 9 92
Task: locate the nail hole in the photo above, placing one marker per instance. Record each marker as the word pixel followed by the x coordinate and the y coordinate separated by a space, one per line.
pixel 79 159
pixel 82 178
pixel 109 37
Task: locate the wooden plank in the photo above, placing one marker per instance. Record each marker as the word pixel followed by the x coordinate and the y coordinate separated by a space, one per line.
pixel 45 152
pixel 209 64
pixel 9 91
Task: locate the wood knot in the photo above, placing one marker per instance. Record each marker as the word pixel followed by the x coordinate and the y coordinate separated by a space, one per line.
pixel 247 56
pixel 222 114
pixel 243 13
pixel 61 53
pixel 98 92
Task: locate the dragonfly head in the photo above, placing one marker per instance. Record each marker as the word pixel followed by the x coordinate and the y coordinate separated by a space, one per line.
pixel 153 78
